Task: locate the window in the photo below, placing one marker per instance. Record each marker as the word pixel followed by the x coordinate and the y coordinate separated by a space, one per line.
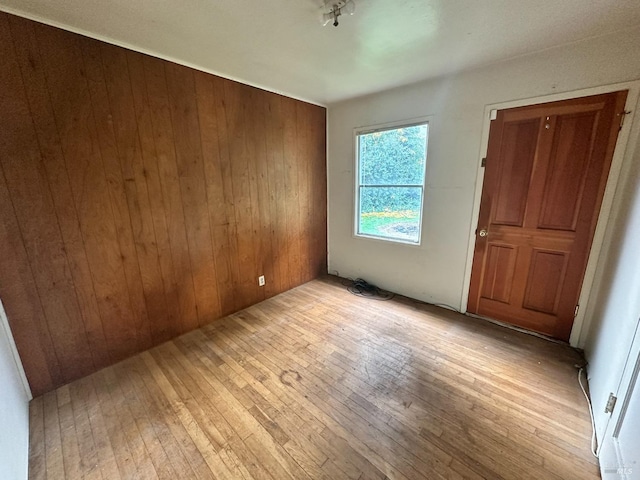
pixel 390 182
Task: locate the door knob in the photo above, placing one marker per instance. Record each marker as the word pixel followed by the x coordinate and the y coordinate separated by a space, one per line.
pixel 483 232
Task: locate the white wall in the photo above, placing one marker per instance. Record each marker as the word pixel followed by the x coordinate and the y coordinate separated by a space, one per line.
pixel 14 409
pixel 435 270
pixel 615 306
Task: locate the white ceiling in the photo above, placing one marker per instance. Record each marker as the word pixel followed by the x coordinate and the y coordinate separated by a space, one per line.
pixel 279 45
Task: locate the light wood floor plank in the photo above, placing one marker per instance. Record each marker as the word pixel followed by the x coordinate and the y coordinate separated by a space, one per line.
pixel 278 458
pixel 69 435
pixel 37 453
pixel 319 384
pixel 87 450
pixel 170 414
pixel 332 397
pixel 137 448
pixel 104 451
pixel 157 428
pixel 53 442
pixel 122 454
pixel 205 437
pixel 319 377
pixel 338 449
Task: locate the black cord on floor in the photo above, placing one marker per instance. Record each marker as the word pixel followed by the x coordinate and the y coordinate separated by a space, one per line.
pixel 362 288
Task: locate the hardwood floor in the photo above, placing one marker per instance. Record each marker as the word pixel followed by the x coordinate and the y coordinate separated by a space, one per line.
pixel 318 383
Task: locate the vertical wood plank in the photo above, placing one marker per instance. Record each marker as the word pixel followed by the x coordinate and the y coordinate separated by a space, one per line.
pixel 134 172
pixel 277 214
pixel 22 302
pixel 238 157
pixel 184 115
pixel 303 163
pixel 141 199
pixel 218 219
pixel 265 258
pixel 33 207
pixel 116 188
pixel 292 194
pixel 53 161
pixel 252 142
pixel 62 60
pixel 154 187
pixel 226 175
pixel 170 185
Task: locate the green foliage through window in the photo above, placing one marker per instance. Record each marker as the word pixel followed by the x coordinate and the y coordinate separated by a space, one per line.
pixel 391 168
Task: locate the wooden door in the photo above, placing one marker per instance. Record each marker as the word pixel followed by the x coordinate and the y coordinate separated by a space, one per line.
pixel 546 170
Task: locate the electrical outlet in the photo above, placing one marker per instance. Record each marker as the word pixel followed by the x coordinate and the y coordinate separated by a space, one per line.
pixel 261 281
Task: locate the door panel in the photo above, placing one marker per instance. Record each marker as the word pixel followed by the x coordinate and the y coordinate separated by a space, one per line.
pixel 501 264
pixel 546 170
pixel 517 161
pixel 564 187
pixel 546 276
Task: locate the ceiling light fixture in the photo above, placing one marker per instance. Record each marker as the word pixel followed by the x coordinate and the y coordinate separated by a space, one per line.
pixel 334 8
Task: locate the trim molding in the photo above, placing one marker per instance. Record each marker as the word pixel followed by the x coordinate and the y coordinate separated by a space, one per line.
pixel 113 41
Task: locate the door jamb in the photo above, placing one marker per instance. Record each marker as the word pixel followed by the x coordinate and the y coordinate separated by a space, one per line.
pixel 629 381
pixel 622 158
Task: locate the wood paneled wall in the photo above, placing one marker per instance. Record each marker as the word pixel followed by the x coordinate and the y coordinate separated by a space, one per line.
pixel 140 199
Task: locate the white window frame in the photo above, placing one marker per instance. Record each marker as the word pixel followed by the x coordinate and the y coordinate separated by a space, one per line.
pixel 356 143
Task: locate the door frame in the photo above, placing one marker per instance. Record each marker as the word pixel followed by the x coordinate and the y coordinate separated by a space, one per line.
pixel 622 159
pixel 608 447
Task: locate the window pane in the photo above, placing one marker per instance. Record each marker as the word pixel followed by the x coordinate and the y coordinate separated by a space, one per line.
pixel 393 157
pixel 390 212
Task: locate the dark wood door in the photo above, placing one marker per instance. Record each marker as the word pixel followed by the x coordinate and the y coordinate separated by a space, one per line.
pixel 546 170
